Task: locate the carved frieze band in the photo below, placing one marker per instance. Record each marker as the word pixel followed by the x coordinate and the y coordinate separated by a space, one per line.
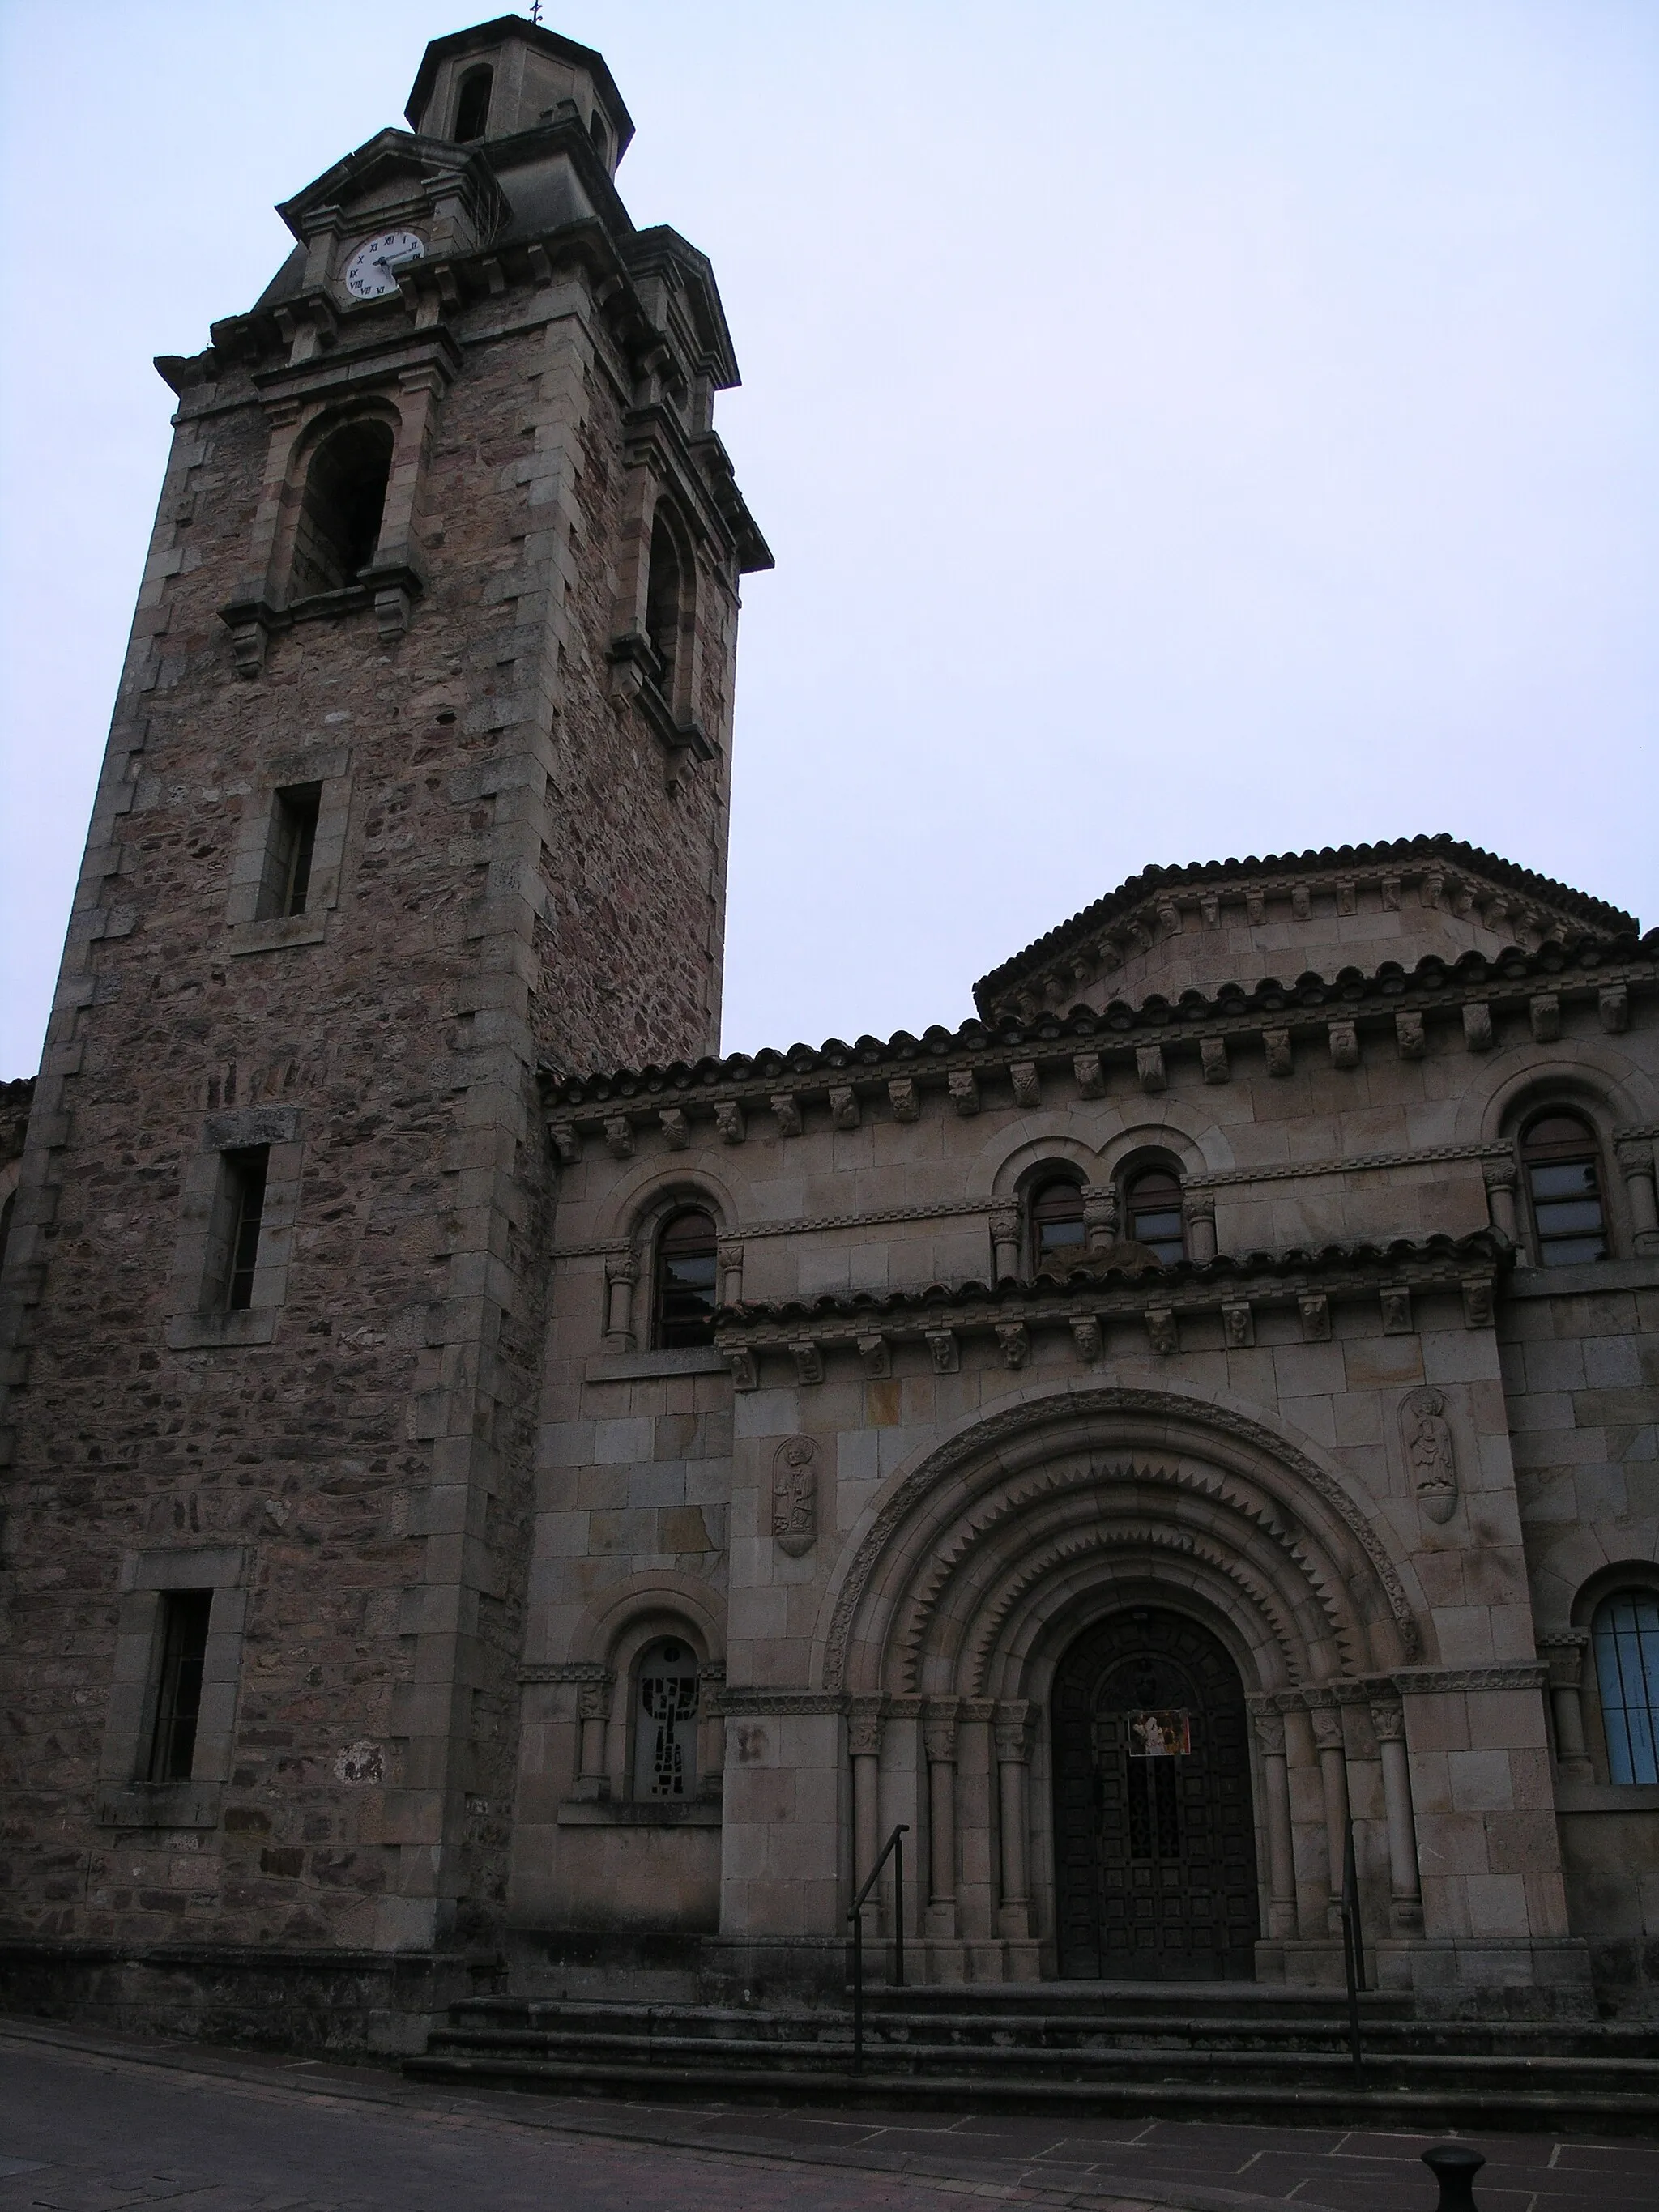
pixel 1360 1163
pixel 755 1703
pixel 582 1671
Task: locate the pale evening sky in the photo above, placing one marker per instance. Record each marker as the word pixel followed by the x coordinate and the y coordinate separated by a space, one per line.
pixel 1184 427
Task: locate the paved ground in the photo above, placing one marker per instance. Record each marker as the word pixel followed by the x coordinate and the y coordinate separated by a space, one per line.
pixel 92 2123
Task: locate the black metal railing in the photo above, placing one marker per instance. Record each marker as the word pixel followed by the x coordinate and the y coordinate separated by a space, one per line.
pixel 1353 1947
pixel 893 1849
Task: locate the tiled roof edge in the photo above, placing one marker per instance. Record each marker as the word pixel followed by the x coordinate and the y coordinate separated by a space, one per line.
pixel 1352 991
pixel 1441 846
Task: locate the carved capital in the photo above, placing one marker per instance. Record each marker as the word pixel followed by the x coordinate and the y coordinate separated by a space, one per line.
pixel 1563 1654
pixel 1011 1728
pixel 1388 1721
pixel 622 1268
pixel 1498 1175
pixel 1004 1225
pixel 1327 1727
pixel 939 1730
pixel 866 1717
pixel 1269 1731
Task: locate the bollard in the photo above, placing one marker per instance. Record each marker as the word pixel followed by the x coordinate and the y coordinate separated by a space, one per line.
pixel 1454 2166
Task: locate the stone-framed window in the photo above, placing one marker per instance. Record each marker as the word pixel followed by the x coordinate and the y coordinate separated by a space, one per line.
pixel 239 1202
pixel 684 1280
pixel 170 1727
pixel 1566 1192
pixel 285 870
pixel 337 527
pixel 1624 1655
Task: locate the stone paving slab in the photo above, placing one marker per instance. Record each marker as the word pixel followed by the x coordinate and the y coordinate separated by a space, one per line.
pixel 211 2130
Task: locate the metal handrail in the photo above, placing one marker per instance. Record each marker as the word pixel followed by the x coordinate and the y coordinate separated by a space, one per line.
pixel 893 1849
pixel 1353 1946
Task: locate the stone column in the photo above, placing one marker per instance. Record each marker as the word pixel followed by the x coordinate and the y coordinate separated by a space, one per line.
pixel 593 1710
pixel 1404 1885
pixel 1004 1244
pixel 1013 1742
pixel 1099 1216
pixel 1563 1654
pixel 1198 1209
pixel 622 1271
pixel 1281 1857
pixel 729 1250
pixel 864 1721
pixel 1500 1178
pixel 939 1728
pixel 1637 1166
pixel 1334 1775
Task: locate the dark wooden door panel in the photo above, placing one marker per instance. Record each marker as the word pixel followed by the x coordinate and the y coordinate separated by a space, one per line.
pixel 1155 1856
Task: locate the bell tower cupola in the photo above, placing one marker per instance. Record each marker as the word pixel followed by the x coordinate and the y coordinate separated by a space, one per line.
pixel 502 79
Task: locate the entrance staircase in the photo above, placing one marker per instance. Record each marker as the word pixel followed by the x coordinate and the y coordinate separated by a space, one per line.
pixel 1243 2052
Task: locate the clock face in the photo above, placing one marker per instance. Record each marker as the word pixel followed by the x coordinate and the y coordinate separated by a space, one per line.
pixel 368 273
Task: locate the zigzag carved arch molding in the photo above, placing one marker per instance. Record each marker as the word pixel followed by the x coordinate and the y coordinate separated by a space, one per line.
pixel 950 1555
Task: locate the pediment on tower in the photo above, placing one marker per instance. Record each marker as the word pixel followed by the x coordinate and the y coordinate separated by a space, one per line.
pixel 447 194
pixel 1173 929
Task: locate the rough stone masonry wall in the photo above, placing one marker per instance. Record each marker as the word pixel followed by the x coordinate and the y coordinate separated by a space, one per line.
pixel 313 1454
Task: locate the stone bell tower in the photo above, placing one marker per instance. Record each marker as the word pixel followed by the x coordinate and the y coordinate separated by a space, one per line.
pixel 417 784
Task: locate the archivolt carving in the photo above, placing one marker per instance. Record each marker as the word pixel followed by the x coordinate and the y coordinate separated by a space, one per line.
pixel 1041 1565
pixel 1108 1486
pixel 979 1445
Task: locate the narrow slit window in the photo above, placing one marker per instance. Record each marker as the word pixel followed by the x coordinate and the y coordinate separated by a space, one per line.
pixel 1152 1212
pixel 287 885
pixel 184 1625
pixel 665 1722
pixel 1057 1229
pixel 664 592
pixel 600 137
pixel 686 1269
pixel 1626 1639
pixel 244 1190
pixel 472 108
pixel 1564 1183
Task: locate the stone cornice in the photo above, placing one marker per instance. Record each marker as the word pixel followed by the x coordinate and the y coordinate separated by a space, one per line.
pixel 868 1325
pixel 1155 1046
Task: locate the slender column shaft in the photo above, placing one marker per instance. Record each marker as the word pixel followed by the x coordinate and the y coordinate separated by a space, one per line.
pixel 864 1733
pixel 1405 1882
pixel 1281 1859
pixel 1636 1159
pixel 1014 1744
pixel 940 1738
pixel 1333 1775
pixel 1564 1654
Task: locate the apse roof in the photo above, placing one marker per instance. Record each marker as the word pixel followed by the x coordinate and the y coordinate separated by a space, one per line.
pixel 1595 914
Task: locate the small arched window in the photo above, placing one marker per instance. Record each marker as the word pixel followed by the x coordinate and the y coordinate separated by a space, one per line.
pixel 666 1720
pixel 685 1287
pixel 339 525
pixel 1057 1230
pixel 1624 1637
pixel 472 105
pixel 1563 1165
pixel 1151 1212
pixel 664 596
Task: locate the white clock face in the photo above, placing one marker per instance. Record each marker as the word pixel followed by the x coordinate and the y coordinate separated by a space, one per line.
pixel 368 273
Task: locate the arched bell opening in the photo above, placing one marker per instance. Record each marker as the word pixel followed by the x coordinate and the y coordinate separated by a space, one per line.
pixel 1155 1859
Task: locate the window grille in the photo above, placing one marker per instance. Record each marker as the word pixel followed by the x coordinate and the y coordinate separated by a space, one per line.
pixel 665 1722
pixel 685 1285
pixel 1625 1640
pixel 246 1173
pixel 184 1626
pixel 1057 1231
pixel 1564 1183
pixel 1152 1211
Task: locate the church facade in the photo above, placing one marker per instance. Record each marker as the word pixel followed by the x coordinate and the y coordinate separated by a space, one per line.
pixel 498 1495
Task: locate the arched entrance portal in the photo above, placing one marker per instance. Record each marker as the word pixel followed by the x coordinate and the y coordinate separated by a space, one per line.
pixel 1154 1840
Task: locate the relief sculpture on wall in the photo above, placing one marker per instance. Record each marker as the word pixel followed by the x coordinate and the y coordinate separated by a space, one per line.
pixel 1428 1440
pixel 795 1495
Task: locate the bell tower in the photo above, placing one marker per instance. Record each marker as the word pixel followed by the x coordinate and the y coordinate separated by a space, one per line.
pixel 417 788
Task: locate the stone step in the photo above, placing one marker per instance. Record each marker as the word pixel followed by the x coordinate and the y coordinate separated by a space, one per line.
pixel 1446 2100
pixel 1099 2030
pixel 582 2044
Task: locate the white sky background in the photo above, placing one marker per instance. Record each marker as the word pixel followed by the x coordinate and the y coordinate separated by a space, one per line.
pixel 1185 428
